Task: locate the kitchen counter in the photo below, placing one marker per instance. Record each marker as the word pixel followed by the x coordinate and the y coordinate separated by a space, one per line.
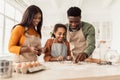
pixel 70 71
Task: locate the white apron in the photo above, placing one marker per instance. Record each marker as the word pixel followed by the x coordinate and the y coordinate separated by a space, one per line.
pixel 77 42
pixel 30 40
pixel 58 49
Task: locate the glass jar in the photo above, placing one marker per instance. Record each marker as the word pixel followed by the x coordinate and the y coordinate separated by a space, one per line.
pixel 112 56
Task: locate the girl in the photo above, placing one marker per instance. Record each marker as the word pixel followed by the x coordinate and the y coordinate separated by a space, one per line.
pixel 57 48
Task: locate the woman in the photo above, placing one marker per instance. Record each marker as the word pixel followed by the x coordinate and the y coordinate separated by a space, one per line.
pixel 57 48
pixel 25 37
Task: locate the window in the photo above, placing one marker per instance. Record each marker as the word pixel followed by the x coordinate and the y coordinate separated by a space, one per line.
pixel 1 6
pixel 9 10
pixel 8 26
pixel 18 15
pixel 9 16
pixel 1 32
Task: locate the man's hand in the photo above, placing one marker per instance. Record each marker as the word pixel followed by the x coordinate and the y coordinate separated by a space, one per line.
pixel 81 57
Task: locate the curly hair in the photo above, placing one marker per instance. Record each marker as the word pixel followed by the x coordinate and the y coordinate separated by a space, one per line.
pixel 74 11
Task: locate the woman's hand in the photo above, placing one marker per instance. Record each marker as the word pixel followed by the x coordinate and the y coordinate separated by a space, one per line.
pixel 35 50
pixel 41 50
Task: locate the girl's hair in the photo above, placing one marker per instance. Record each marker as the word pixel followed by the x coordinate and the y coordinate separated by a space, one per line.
pixel 28 16
pixel 56 28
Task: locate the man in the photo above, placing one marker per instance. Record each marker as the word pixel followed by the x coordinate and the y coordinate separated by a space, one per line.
pixel 81 35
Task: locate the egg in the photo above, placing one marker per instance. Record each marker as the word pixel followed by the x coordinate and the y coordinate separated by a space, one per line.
pixel 24 68
pixel 19 65
pixel 29 65
pixel 38 63
pixel 34 64
pixel 23 65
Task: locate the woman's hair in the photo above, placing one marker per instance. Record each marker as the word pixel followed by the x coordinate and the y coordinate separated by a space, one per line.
pixel 74 11
pixel 28 17
pixel 58 26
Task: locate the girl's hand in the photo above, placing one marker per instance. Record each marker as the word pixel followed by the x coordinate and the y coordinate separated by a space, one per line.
pixel 60 58
pixel 69 58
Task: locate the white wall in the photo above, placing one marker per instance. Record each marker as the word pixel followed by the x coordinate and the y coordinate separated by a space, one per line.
pixel 115 13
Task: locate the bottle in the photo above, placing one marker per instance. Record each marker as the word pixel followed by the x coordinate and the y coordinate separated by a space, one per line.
pixel 102 49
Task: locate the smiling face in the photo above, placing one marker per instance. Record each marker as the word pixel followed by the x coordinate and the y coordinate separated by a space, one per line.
pixel 60 34
pixel 36 19
pixel 74 21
